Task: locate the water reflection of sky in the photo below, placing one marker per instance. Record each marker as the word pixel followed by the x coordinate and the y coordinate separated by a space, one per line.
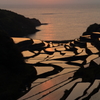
pixel 47 31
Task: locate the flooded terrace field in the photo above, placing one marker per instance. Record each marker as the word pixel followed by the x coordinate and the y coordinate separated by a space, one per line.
pixel 65 70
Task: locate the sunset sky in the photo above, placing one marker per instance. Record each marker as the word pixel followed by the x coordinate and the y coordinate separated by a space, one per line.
pixel 44 2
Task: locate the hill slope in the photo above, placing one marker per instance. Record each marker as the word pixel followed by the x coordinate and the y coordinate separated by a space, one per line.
pixel 17 25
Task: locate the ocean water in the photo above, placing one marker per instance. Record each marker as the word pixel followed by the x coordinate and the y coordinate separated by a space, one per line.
pixel 64 22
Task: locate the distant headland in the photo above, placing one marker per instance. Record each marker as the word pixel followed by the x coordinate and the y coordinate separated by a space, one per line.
pixel 17 25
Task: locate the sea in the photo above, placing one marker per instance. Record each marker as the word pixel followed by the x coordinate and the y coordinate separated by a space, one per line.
pixel 65 22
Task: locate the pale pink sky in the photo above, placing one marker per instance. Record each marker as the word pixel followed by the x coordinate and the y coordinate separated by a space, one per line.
pixel 41 2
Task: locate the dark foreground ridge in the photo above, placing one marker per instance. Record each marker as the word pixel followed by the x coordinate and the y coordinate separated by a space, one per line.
pixel 15 74
pixel 74 61
pixel 17 25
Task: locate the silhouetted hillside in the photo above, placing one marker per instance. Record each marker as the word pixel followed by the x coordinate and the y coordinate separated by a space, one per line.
pixel 92 28
pixel 17 25
pixel 15 74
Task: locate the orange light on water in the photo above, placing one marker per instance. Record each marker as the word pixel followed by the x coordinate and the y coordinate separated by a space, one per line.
pixel 47 85
pixel 17 40
pixel 49 29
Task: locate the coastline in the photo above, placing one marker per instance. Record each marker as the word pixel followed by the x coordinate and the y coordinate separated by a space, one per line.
pixel 34 60
pixel 80 56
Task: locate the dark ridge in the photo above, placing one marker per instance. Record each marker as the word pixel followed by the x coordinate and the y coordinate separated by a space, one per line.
pixel 17 25
pixel 92 28
pixel 15 74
